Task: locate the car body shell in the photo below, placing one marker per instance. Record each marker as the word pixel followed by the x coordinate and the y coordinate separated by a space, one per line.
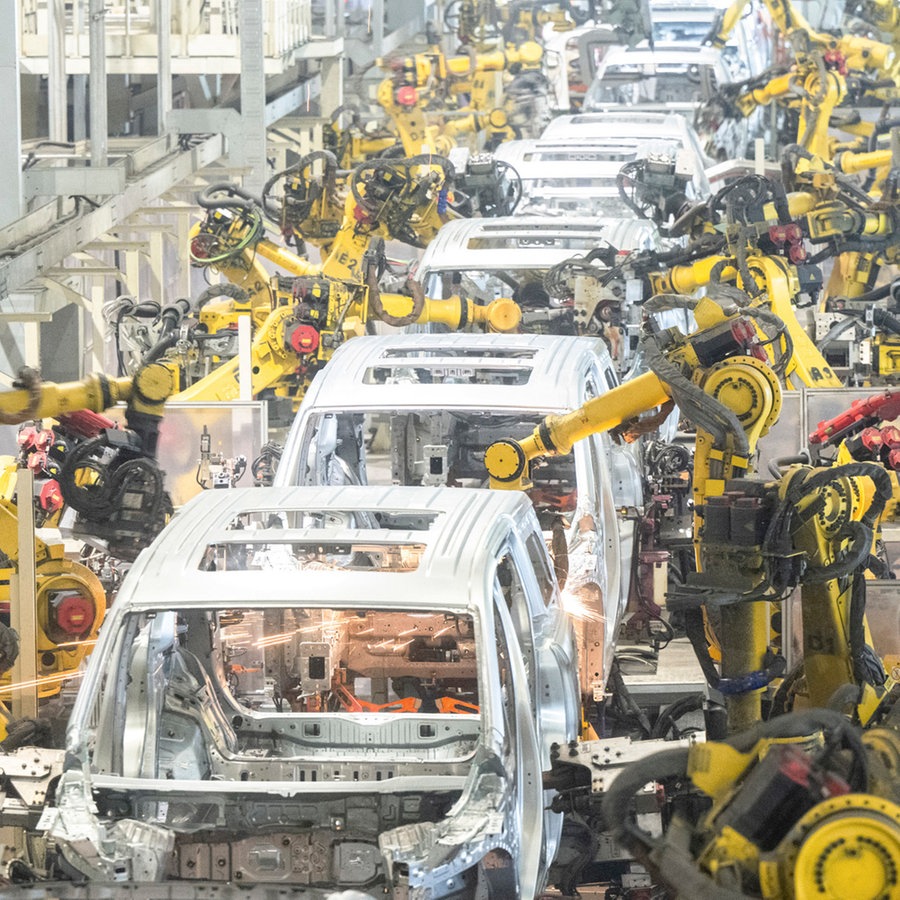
pixel 545 374
pixel 575 163
pixel 675 94
pixel 486 258
pixel 526 242
pixel 572 57
pixel 678 79
pixel 152 704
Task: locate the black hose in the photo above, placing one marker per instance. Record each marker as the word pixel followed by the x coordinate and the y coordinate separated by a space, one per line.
pixel 238 294
pixel 667 718
pixel 864 672
pixel 778 707
pixel 859 532
pixel 331 165
pixel 695 629
pixel 879 293
pixel 837 330
pixel 620 689
pixel 148 309
pixel 706 412
pixel 881 126
pixel 235 197
pixel 781 462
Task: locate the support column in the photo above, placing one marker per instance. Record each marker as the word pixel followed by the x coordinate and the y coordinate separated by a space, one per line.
pixel 253 97
pixel 332 84
pixel 97 297
pixel 99 114
pixel 157 267
pixel 164 64
pixel 23 609
pixel 11 140
pixel 57 95
pixel 79 108
pixel 376 26
pixel 182 273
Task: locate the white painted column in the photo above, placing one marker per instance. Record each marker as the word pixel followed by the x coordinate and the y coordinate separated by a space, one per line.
pixel 99 115
pixel 164 64
pixel 332 84
pixel 253 96
pixel 79 107
pixel 57 95
pixel 245 362
pixel 10 100
pixel 376 26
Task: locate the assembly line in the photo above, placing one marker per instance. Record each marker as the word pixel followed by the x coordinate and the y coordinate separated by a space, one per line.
pixel 562 560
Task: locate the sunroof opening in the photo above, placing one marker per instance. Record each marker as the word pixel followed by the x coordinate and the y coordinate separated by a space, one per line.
pixel 357 519
pixel 424 372
pixel 444 352
pixel 298 556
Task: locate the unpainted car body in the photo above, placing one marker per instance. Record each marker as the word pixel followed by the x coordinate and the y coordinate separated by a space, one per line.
pixel 577 175
pixel 572 57
pixel 747 52
pixel 421 409
pixel 678 79
pixel 352 688
pixel 511 256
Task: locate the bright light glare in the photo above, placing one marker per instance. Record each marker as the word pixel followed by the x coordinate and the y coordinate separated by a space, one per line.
pixel 575 608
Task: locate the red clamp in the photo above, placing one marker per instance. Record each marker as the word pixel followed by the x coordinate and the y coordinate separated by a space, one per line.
pixel 836 61
pixel 884 407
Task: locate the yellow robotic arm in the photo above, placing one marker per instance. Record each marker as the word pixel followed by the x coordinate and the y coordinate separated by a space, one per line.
pixel 859 52
pixel 111 480
pixel 71 602
pixel 705 359
pixel 733 398
pixel 775 281
pixel 30 398
pixel 291 345
pixel 803 805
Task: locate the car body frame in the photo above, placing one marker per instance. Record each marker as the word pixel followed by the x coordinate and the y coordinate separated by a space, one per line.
pixel 235 724
pixel 512 256
pixel 421 409
pixel 578 175
pixel 678 79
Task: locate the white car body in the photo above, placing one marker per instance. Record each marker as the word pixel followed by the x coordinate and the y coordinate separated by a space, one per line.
pixel 577 176
pixel 672 78
pixel 575 162
pixel 421 409
pixel 572 57
pixel 236 722
pixel 482 259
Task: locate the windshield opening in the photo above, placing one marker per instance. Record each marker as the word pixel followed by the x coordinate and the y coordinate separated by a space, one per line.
pixel 204 693
pixel 432 447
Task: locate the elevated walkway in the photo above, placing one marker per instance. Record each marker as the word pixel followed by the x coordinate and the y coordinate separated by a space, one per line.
pixel 203 37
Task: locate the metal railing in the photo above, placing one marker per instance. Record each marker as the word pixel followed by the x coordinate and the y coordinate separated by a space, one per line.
pixel 198 27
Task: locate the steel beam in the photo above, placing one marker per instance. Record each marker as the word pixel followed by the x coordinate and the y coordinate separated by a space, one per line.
pixel 87 181
pixel 46 252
